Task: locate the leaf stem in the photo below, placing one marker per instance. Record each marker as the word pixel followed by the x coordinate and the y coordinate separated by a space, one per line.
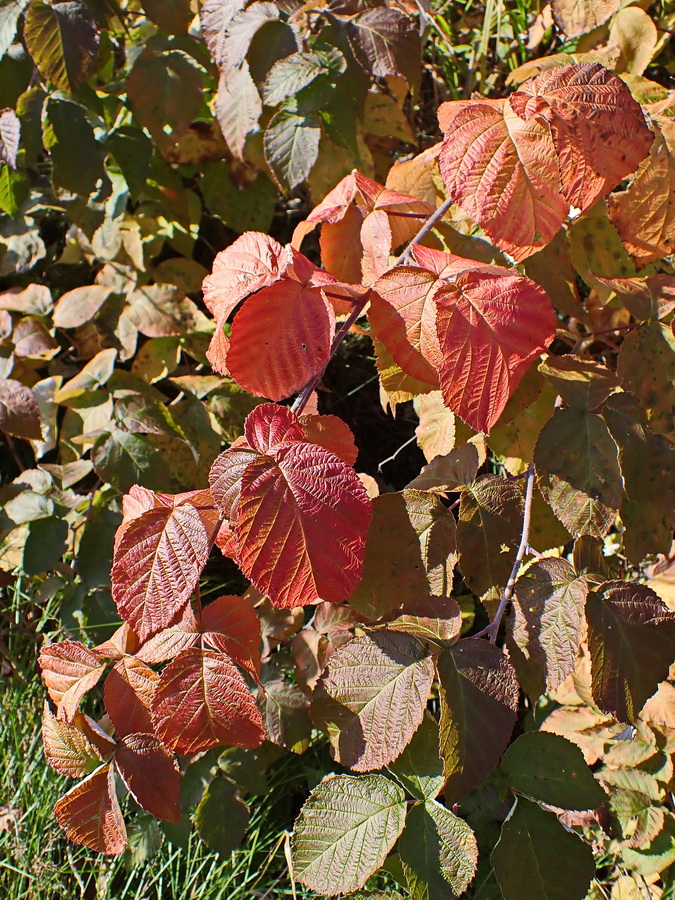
pixel 359 306
pixel 493 627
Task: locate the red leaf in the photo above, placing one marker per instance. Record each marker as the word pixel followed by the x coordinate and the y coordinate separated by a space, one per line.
pixel 514 166
pixel 157 565
pixel 270 425
pixel 386 220
pixel 90 814
pixel 229 625
pixel 491 325
pixel 291 327
pixel 169 642
pixel 225 477
pixel 333 434
pixel 151 775
pixel 202 701
pixel 127 695
pixel 139 500
pixel 300 525
pixel 69 670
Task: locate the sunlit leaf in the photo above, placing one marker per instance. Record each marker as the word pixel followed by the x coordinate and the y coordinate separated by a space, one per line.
pixel 345 830
pixel 10 133
pixel 69 670
pixel 63 40
pixel 419 768
pixel 230 625
pixel 577 17
pixel 90 814
pixel 128 694
pixel 151 775
pixel 67 746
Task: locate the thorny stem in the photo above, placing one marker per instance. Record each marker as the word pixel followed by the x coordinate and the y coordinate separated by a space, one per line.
pixel 359 306
pixel 493 627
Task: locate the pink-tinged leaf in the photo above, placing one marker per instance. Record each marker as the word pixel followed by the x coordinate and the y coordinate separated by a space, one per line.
pixel 252 262
pixel 202 701
pixel 291 327
pixel 139 500
pixel 69 670
pixel 598 129
pixel 301 522
pixel 238 107
pixel 631 637
pixel 333 434
pixel 157 566
pixel 270 425
pixel 128 694
pixel 371 720
pixel 67 747
pixel 90 814
pixel 151 775
pixel 479 702
pixel 567 137
pixel 230 625
pixel 491 327
pixel 10 134
pixel 19 413
pixel 169 642
pixel 225 480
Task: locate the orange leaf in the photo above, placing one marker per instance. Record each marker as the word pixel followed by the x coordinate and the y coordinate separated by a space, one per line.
pixel 90 814
pixel 69 670
pixel 333 434
pixel 127 695
pixel 202 701
pixel 67 747
pixel 229 625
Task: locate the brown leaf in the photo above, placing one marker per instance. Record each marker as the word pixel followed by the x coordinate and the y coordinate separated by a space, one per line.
pixel 19 413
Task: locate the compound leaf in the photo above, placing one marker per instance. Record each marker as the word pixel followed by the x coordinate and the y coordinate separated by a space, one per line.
pixel 291 143
pixel 371 719
pixel 345 830
pixel 69 670
pixel 230 625
pixel 90 814
pixel 128 694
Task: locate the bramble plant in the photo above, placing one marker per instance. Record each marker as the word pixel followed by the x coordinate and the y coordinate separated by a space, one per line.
pixel 485 635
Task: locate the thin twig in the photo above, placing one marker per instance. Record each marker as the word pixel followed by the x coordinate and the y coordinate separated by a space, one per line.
pixel 360 305
pixel 493 627
pixel 394 455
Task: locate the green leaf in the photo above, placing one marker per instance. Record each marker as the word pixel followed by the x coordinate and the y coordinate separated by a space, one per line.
pixel 10 11
pixel 488 532
pixel 411 551
pixel 63 40
pixel 291 145
pixel 14 190
pixel 578 466
pixel 631 637
pixel 372 697
pixel 124 459
pixel 549 768
pixel 437 849
pixel 45 544
pixel 95 550
pixel 222 816
pixel 293 73
pixel 656 857
pixel 132 150
pixel 420 767
pixel 582 383
pixel 248 209
pixel 538 858
pixel 479 701
pixel 545 631
pixel 647 367
pixel 77 156
pixel 345 830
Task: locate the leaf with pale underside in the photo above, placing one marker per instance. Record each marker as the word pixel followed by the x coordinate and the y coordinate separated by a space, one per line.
pixel 74 308
pixel 202 701
pixel 157 565
pixel 576 17
pixel 410 553
pixel 300 521
pixel 437 621
pixel 63 40
pixel 90 814
pixel 567 137
pixel 488 531
pixel 545 631
pixel 479 701
pixel 128 694
pixel 526 859
pixel 291 143
pixel 371 720
pixel 238 107
pixel 549 768
pixel 578 466
pixel 151 775
pixel 67 746
pixel 292 327
pixel 436 430
pixel 69 670
pixel 345 830
pixel 438 851
pixel 631 637
pixel 19 412
pixel 647 367
pixel 10 133
pixel 452 472
pixel 492 324
pixel 642 214
pixel 419 768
